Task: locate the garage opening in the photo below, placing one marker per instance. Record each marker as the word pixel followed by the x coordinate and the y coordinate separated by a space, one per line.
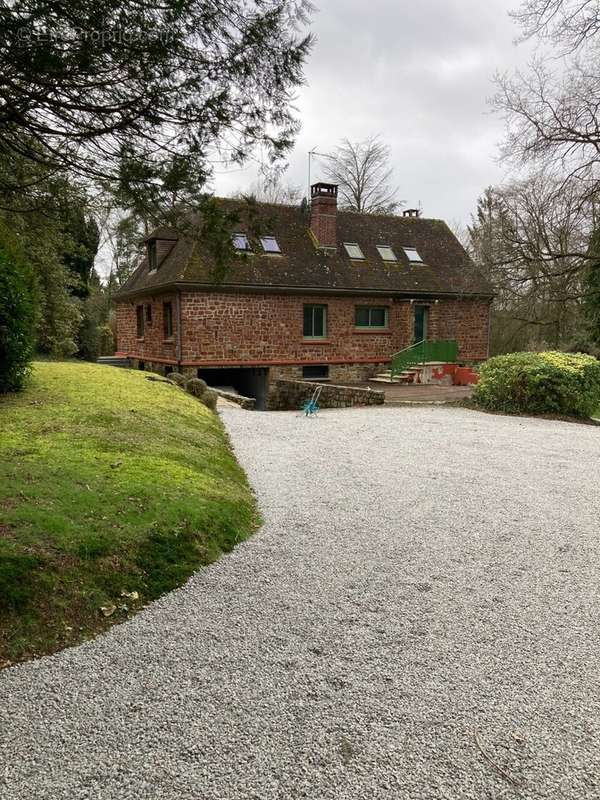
pixel 249 381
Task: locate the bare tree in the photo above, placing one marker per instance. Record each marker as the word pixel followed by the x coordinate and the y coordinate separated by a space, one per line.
pixel 565 23
pixel 530 238
pixel 363 174
pixel 275 191
pixel 552 109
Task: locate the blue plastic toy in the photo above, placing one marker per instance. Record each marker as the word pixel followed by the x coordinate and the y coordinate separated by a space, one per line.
pixel 311 407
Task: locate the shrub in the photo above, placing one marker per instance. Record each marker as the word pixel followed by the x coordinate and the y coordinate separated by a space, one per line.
pixel 17 320
pixel 177 378
pixel 209 398
pixel 538 383
pixel 196 386
pixel 95 337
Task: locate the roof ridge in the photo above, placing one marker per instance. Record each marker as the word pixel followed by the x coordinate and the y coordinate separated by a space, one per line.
pixel 340 210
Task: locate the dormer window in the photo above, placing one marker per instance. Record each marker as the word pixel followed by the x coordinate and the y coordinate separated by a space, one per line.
pixel 240 242
pixel 152 259
pixel 354 251
pixel 269 244
pixel 412 255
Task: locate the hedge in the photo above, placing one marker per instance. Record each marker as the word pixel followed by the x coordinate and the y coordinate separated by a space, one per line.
pixel 17 318
pixel 540 383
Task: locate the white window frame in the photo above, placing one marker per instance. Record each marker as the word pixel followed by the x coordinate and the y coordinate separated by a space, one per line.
pixel 245 249
pixel 388 247
pixel 347 245
pixel 271 239
pixel 407 253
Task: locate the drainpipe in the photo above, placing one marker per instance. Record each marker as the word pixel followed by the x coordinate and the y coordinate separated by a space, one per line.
pixel 178 339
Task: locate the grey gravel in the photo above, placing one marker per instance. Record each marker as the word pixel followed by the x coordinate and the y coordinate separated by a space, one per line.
pixel 424 590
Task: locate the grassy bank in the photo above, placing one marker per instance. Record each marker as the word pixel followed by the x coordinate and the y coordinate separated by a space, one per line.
pixel 113 490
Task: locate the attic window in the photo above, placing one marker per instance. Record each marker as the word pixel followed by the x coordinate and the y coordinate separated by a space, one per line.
pixel 354 250
pixel 240 241
pixel 412 255
pixel 152 260
pixel 386 252
pixel 269 244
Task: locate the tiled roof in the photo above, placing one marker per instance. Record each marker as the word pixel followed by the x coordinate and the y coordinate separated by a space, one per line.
pixel 446 267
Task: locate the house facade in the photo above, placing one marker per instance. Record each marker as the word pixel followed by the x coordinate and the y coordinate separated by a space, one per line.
pixel 312 293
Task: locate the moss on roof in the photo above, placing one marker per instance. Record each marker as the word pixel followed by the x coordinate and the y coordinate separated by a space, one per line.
pixel 446 267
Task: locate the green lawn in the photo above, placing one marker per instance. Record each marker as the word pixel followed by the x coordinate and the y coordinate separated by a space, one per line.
pixel 113 490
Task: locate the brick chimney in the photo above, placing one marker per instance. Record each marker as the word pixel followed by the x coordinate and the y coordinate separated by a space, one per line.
pixel 323 213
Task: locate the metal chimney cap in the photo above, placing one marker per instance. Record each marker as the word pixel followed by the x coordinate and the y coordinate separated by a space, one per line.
pixel 323 190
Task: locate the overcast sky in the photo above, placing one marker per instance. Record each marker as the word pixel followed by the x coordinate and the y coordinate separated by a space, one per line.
pixel 418 73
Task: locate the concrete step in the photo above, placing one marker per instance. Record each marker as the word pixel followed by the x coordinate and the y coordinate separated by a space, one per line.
pixel 434 363
pixel 388 373
pixel 422 364
pixel 401 377
pixel 410 373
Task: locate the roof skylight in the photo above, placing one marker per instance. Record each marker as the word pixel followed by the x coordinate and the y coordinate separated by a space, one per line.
pixel 412 255
pixel 386 252
pixel 269 244
pixel 354 250
pixel 240 241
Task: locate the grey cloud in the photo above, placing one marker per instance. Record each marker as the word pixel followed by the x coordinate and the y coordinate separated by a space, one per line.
pixel 418 73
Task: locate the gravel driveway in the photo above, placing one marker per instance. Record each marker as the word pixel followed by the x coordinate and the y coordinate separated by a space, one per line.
pixel 418 618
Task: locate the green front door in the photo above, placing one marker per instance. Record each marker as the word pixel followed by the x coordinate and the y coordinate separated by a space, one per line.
pixel 421 313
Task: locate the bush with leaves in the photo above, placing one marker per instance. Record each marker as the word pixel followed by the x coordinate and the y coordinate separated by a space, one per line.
pixel 196 387
pixel 538 383
pixel 95 337
pixel 17 318
pixel 178 378
pixel 209 398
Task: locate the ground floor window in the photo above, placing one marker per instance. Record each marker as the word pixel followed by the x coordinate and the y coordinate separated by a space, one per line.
pixel 140 321
pixel 168 320
pixel 315 371
pixel 315 322
pixel 371 317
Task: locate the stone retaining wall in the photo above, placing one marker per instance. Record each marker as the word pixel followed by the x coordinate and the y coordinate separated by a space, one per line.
pixel 246 403
pixel 286 395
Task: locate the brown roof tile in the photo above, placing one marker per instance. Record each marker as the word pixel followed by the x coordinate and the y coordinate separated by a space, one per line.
pixel 447 269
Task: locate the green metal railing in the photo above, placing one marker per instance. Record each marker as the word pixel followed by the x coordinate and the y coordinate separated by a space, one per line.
pixel 421 352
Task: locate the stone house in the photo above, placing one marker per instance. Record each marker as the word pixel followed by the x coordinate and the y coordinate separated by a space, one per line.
pixel 312 292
